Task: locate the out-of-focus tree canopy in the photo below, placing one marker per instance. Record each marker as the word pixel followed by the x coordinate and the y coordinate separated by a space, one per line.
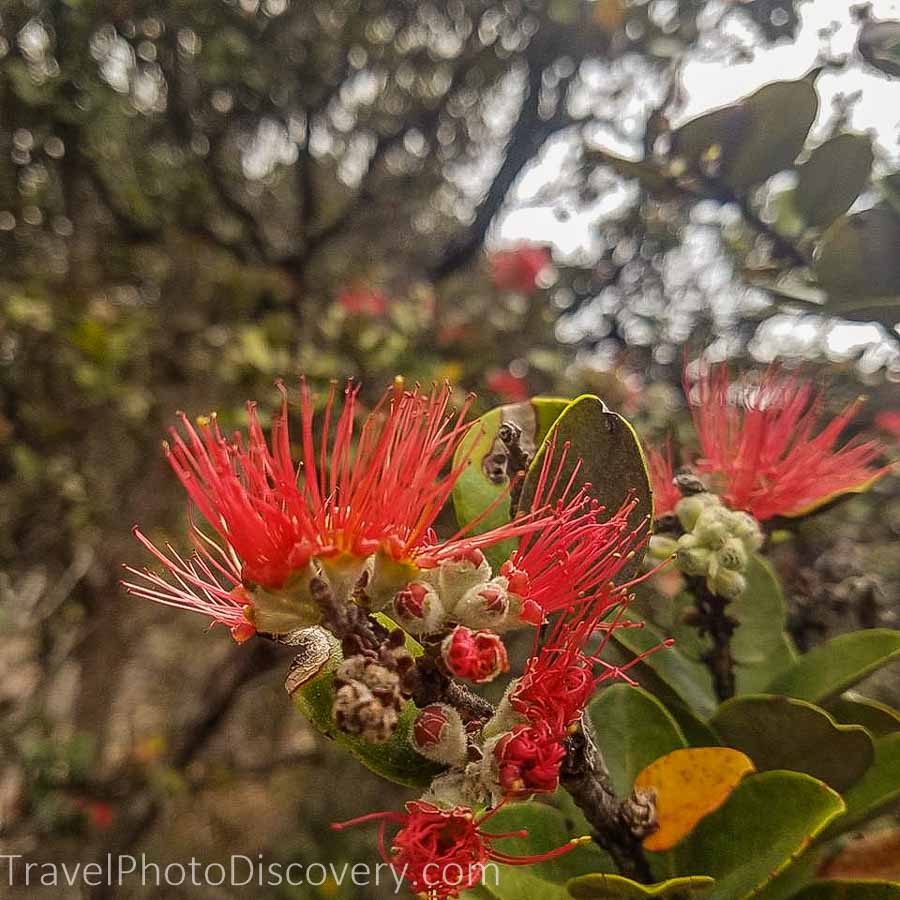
pixel 199 197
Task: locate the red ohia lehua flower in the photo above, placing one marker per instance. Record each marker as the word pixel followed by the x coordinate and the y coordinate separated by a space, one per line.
pixel 768 449
pixel 361 299
pixel 442 852
pixel 528 760
pixel 662 477
pixel 478 656
pixel 576 553
pixel 518 268
pixel 272 517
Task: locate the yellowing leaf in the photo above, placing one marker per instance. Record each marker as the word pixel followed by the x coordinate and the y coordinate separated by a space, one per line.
pixel 689 785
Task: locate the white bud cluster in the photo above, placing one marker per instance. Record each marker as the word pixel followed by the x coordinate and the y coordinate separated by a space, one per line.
pixel 717 543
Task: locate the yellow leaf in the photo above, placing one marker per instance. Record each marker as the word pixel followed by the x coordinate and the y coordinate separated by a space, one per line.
pixel 689 785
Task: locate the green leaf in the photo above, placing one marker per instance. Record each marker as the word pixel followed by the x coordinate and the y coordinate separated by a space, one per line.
pixel 768 820
pixel 546 831
pixel 676 675
pixel 831 668
pixel 477 488
pixel 633 729
pixel 611 460
pixel 833 177
pixel 614 887
pixel 854 709
pixel 782 733
pixel 760 644
pixel 857 263
pixel 877 791
pixel 310 684
pixel 850 890
pixel 780 117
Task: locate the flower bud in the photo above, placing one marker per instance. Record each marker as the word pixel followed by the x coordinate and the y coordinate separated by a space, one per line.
pixel 358 711
pixel 478 656
pixel 744 527
pixel 661 546
pixel 506 717
pixel 438 734
pixel 733 555
pixel 485 605
pixel 690 557
pixel 453 577
pixel 418 609
pixel 727 584
pixel 528 760
pixel 711 528
pixel 688 509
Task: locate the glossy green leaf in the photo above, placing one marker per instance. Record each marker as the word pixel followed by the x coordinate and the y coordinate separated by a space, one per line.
pixel 829 669
pixel 676 676
pixel 611 461
pixel 481 483
pixel 547 830
pixel 853 709
pixel 877 791
pixel 779 732
pixel 850 890
pixel 310 683
pixel 633 729
pixel 833 177
pixel 768 820
pixel 615 887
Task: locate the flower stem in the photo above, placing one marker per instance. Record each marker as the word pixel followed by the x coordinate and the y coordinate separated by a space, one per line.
pixel 711 618
pixel 619 824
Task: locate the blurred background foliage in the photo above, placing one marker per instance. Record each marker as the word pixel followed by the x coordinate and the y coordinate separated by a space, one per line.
pixel 199 197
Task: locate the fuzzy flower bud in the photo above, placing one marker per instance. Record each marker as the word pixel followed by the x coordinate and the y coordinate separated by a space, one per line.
pixel 711 528
pixel 438 734
pixel 661 546
pixel 453 578
pixel 726 583
pixel 691 557
pixel 689 509
pixel 418 609
pixel 478 656
pixel 528 760
pixel 744 527
pixel 485 605
pixel 733 555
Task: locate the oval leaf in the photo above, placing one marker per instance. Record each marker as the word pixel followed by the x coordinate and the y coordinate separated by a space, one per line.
pixel 832 178
pixel 633 729
pixel 766 822
pixel 779 116
pixel 877 791
pixel 547 829
pixel 310 683
pixel 612 887
pixel 484 481
pixel 858 258
pixel 853 709
pixel 831 668
pixel 782 733
pixel 689 785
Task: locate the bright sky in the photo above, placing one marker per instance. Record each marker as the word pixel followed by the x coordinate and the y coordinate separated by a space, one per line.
pixel 708 84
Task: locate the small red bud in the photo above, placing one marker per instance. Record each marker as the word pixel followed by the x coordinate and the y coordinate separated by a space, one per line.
pixel 478 656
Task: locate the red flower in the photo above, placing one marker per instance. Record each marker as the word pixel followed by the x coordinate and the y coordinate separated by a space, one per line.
pixel 563 672
pixel 576 553
pixel 889 422
pixel 507 386
pixel 662 475
pixel 768 448
pixel 478 656
pixel 518 269
pixel 528 760
pixel 363 300
pixel 442 852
